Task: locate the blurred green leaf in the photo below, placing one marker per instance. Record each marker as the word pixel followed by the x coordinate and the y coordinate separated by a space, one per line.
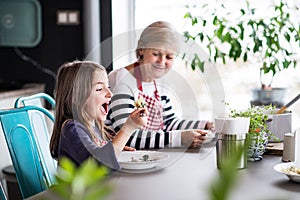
pixel 245 57
pixel 242 11
pixel 187 15
pixel 84 182
pixel 228 175
pixel 197 63
pixel 286 63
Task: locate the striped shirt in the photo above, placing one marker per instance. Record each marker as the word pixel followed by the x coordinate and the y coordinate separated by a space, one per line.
pixel 123 86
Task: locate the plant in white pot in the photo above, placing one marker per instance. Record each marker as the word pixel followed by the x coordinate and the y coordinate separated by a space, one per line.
pixel 258 133
pixel 233 34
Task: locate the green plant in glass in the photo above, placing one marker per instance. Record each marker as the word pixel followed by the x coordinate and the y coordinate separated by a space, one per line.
pixel 273 39
pixel 259 133
pixel 84 182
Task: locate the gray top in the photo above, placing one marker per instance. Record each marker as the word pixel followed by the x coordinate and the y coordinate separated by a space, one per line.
pixel 77 145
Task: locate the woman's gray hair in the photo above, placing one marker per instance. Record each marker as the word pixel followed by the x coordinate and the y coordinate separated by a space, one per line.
pixel 159 35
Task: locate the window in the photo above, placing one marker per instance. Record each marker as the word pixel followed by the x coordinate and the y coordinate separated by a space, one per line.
pixel 238 79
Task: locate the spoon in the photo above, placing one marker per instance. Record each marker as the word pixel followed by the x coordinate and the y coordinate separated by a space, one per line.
pixel 283 108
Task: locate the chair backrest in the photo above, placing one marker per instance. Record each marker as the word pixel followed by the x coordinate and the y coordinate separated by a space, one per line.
pixel 28 161
pixel 34 99
pixel 2 193
pixel 40 129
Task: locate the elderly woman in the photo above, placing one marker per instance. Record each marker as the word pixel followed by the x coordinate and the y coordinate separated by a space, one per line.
pixel 156 51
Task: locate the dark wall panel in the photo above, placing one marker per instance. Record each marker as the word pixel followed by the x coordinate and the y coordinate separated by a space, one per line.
pixel 106 33
pixel 58 45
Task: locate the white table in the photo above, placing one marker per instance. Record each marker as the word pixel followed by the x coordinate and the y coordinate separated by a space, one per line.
pixel 189 176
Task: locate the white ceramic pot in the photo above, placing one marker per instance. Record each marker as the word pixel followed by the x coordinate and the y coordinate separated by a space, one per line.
pixel 231 136
pixel 280 124
pixel 232 125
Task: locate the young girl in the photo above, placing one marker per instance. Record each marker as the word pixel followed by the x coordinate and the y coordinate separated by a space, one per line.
pixel 82 96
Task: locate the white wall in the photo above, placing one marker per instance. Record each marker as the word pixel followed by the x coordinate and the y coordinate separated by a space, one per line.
pixel 123 13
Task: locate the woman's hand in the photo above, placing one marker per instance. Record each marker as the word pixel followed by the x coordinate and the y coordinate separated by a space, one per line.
pixel 210 126
pixel 128 148
pixel 192 138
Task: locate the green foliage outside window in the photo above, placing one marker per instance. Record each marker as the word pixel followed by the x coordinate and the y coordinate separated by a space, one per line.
pixel 273 40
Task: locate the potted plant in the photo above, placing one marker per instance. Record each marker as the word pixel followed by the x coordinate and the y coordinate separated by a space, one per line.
pixel 259 133
pixel 271 40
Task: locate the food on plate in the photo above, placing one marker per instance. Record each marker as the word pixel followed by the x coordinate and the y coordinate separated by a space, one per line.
pixel 140 103
pixel 137 160
pixel 292 170
pixel 144 158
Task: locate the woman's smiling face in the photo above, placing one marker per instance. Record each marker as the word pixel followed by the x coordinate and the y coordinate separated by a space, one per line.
pixel 97 102
pixel 155 63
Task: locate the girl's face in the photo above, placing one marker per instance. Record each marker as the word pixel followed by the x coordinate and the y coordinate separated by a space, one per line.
pixel 155 63
pixel 97 102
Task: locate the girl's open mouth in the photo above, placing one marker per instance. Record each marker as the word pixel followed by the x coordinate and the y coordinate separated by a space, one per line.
pixel 104 108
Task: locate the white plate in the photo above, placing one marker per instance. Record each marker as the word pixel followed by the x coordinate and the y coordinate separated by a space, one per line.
pixel 136 159
pixel 292 176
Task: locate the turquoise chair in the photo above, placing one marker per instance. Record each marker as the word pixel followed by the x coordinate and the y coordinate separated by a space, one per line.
pixel 29 163
pixel 2 193
pixel 35 99
pixel 40 129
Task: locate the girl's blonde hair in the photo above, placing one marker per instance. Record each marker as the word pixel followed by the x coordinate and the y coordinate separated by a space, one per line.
pixel 72 89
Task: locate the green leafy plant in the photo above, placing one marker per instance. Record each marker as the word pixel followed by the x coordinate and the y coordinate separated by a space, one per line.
pixel 258 118
pixel 273 39
pixel 84 182
pixel 259 133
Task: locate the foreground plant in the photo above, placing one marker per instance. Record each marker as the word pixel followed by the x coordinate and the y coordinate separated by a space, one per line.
pixel 227 178
pixel 86 182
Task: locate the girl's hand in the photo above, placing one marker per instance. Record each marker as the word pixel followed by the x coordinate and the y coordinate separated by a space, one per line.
pixel 136 119
pixel 139 117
